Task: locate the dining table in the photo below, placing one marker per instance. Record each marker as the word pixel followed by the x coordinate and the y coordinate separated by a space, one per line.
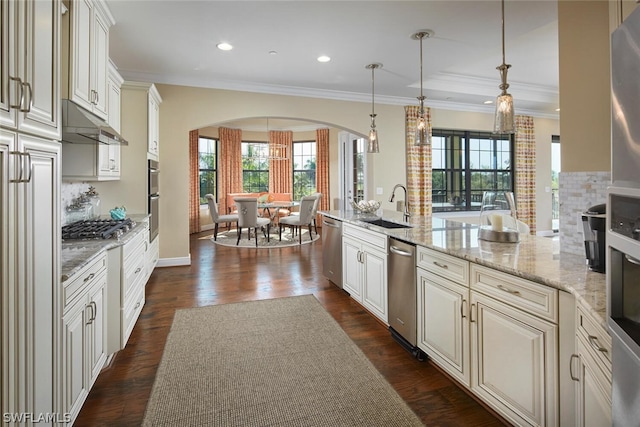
pixel 271 209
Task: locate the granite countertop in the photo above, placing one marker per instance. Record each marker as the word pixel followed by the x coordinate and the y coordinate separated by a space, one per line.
pixel 534 258
pixel 75 254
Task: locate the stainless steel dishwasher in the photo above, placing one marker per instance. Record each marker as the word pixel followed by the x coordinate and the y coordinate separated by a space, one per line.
pixel 332 250
pixel 403 295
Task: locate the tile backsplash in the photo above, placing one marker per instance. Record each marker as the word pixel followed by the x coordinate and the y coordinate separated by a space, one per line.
pixel 70 191
pixel 578 191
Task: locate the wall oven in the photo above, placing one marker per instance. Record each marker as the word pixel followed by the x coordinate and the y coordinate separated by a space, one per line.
pixel 154 199
pixel 623 296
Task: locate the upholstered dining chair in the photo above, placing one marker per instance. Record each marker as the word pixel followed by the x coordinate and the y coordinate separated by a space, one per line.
pixel 248 218
pixel 318 196
pixel 297 221
pixel 216 217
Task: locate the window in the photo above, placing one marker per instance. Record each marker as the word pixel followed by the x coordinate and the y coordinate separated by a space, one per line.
pixel 304 169
pixel 255 167
pixel 465 164
pixel 208 167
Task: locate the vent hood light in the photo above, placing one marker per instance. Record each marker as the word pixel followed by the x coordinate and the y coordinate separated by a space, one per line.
pixel 80 126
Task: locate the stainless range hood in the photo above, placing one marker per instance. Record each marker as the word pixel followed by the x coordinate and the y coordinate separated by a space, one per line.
pixel 80 126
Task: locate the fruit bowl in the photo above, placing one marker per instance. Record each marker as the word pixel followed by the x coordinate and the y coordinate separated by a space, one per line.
pixel 366 206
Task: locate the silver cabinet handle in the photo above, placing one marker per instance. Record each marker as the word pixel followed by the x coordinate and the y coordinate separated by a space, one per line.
pixel 20 165
pixel 94 309
pixel 462 310
pixel 511 291
pixel 596 345
pixel 445 266
pixel 473 306
pixel 28 108
pixel 137 305
pixel 573 377
pixel 137 270
pixel 89 277
pixel 21 86
pixel 29 168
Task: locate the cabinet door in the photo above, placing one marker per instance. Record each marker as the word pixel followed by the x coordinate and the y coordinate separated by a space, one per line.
pixel 41 68
pixel 514 359
pixel 100 58
pixel 74 368
pixel 96 337
pixel 352 268
pixel 9 83
pixel 443 324
pixel 593 391
pixel 374 282
pixel 80 63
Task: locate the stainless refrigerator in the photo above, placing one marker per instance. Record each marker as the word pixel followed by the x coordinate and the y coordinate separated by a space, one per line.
pixel 623 223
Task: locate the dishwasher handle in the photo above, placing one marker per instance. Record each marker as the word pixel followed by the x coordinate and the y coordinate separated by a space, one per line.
pixel 330 224
pixel 398 251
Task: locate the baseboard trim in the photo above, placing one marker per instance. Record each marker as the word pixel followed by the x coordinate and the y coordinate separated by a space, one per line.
pixel 174 262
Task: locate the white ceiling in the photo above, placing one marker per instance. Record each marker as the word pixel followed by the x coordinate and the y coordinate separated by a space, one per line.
pixel 174 42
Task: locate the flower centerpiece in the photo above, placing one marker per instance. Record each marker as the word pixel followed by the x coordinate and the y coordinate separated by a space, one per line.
pixel 366 206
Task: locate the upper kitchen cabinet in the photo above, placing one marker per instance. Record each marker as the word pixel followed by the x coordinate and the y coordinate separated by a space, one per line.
pixel 85 55
pixel 153 147
pixel 30 67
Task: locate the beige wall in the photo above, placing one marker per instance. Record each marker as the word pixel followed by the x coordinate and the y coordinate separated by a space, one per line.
pixel 186 108
pixel 585 90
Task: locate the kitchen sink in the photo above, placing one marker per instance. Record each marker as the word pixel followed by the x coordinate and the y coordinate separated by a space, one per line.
pixel 386 224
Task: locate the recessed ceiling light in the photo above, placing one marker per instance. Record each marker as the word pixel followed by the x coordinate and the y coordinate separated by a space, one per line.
pixel 273 52
pixel 224 46
pixel 488 102
pixel 323 58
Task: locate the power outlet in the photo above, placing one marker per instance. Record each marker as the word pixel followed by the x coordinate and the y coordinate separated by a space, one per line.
pixel 379 191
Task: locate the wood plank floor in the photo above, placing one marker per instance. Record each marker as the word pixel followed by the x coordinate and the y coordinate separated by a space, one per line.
pixel 219 275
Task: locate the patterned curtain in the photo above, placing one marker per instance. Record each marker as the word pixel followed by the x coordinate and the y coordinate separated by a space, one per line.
pixel 230 167
pixel 281 171
pixel 525 171
pixel 194 183
pixel 322 168
pixel 418 165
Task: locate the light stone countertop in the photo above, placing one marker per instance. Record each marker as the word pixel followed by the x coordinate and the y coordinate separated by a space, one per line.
pixel 75 254
pixel 534 258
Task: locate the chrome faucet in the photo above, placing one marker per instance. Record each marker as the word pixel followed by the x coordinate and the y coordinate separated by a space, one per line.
pixel 406 213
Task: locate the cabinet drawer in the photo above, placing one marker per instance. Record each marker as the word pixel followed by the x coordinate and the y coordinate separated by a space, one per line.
pixel 366 236
pixel 598 340
pixel 130 313
pixel 534 298
pixel 444 265
pixel 133 273
pixel 84 278
pixel 131 247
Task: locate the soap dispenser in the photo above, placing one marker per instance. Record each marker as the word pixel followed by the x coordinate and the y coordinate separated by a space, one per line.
pixel 498 219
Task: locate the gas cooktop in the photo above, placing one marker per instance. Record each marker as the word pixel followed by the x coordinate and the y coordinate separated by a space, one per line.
pixel 97 229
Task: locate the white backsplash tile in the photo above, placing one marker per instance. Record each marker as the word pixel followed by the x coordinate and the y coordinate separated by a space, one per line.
pixel 69 192
pixel 578 191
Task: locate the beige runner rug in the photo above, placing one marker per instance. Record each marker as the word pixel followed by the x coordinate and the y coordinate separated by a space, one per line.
pixel 278 362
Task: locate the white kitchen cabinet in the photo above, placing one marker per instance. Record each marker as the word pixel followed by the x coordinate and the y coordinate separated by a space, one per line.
pixel 592 362
pixel 514 353
pixel 126 280
pixel 30 67
pixel 97 162
pixel 31 294
pixel 152 256
pixel 84 338
pixel 153 147
pixel 364 266
pixel 86 55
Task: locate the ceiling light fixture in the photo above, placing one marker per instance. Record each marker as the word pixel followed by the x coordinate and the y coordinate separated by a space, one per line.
pixel 224 46
pixel 372 146
pixel 324 58
pixel 277 151
pixel 423 134
pixel 504 118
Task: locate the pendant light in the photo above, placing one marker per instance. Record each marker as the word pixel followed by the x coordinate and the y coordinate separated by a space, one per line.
pixel 372 146
pixel 276 151
pixel 423 134
pixel 504 118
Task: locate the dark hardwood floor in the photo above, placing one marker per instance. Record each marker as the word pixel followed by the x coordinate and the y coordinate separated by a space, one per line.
pixel 220 275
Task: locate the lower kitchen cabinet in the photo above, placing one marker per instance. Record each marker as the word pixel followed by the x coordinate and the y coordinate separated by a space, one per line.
pixel 364 268
pixel 83 338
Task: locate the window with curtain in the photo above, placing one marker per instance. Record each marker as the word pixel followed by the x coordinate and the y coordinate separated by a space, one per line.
pixel 208 167
pixel 465 164
pixel 304 168
pixel 255 167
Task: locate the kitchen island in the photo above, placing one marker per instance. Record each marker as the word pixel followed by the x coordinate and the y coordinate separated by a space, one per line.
pixel 520 325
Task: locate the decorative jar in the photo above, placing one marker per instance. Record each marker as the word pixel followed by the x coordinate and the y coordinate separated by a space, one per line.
pixel 498 219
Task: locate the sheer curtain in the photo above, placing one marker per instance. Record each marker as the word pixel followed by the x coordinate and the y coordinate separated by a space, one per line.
pixel 281 171
pixel 525 171
pixel 418 165
pixel 194 183
pixel 322 168
pixel 230 166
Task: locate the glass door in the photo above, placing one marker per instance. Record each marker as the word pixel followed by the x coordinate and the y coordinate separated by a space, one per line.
pixel 353 169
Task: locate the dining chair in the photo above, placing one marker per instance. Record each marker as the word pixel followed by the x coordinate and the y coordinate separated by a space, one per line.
pixel 248 217
pixel 216 217
pixel 318 196
pixel 297 221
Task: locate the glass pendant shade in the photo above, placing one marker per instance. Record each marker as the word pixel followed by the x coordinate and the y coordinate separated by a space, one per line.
pixel 372 146
pixel 423 131
pixel 504 118
pixel 423 136
pixel 373 143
